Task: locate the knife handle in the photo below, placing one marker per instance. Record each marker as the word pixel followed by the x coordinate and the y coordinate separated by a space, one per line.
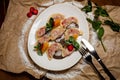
pixel 106 70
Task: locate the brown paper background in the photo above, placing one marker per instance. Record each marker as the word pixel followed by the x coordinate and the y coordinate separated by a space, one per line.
pixel 10 55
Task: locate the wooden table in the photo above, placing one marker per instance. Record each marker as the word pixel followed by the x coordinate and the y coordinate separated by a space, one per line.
pixel 25 76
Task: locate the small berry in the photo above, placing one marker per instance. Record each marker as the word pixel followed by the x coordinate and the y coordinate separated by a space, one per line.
pixel 70 47
pixel 29 14
pixel 32 9
pixel 35 12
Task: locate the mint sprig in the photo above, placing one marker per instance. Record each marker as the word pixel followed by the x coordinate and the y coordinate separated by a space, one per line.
pixel 99 30
pixel 38 49
pixel 49 25
pixel 96 23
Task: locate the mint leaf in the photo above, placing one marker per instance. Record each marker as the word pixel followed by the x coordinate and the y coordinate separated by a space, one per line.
pixel 101 12
pixel 100 33
pixel 114 26
pixel 76 45
pixel 38 48
pixel 39 52
pixel 49 25
pixel 95 24
pixel 88 7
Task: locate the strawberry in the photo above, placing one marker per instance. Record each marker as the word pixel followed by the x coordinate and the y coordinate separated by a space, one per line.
pixel 35 12
pixel 29 14
pixel 70 47
pixel 32 11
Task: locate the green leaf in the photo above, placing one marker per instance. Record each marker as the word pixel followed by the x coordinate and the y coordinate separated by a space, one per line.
pixel 35 47
pixel 100 12
pixel 67 42
pixel 38 46
pixel 71 39
pixel 38 49
pixel 114 26
pixel 95 24
pixel 51 21
pixel 39 52
pixel 88 7
pixel 49 25
pixel 76 45
pixel 100 33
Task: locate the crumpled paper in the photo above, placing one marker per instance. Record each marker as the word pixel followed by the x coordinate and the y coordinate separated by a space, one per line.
pixel 14 32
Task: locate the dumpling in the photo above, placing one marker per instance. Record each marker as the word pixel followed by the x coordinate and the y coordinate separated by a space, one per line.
pixel 68 21
pixel 40 32
pixel 57 16
pixel 66 52
pixel 44 38
pixel 56 33
pixel 53 48
pixel 71 32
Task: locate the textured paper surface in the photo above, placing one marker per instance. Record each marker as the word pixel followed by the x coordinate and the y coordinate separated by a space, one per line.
pixel 13 44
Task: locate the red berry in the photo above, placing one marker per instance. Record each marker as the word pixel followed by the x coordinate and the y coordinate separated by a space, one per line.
pixel 32 9
pixel 70 47
pixel 35 12
pixel 29 14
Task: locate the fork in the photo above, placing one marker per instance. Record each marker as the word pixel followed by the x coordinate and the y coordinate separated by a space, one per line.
pixel 93 52
pixel 88 59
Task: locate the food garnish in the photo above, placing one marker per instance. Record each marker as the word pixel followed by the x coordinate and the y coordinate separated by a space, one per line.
pixel 57 22
pixel 73 42
pixel 70 47
pixel 38 48
pixel 88 7
pixel 49 25
pixel 44 47
pixel 32 11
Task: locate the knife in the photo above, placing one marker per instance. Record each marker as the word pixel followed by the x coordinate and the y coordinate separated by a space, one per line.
pixel 91 50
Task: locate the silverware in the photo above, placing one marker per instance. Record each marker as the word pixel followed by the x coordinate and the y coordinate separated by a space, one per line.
pixel 88 59
pixel 94 53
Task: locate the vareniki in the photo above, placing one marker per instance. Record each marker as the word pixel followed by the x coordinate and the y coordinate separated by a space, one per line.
pixel 59 34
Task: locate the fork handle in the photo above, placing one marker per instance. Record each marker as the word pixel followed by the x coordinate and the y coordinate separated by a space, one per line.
pixel 106 70
pixel 101 77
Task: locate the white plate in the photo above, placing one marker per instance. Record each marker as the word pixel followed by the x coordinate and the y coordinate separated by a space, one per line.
pixel 67 10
